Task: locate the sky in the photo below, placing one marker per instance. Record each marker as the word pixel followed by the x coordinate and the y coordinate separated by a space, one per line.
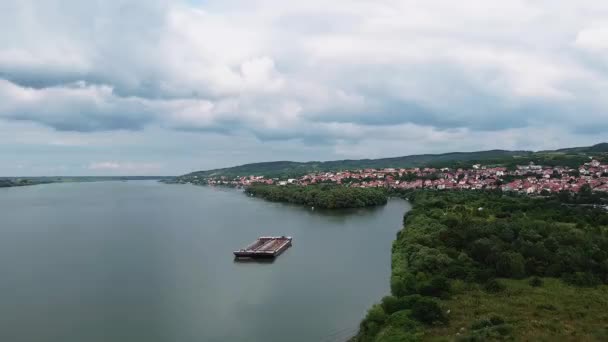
pixel 163 87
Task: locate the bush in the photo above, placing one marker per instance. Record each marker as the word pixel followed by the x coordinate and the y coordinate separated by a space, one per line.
pixel 548 307
pixel 494 286
pixel 403 319
pixel 487 322
pixel 376 314
pixel 581 279
pixel 438 286
pixel 480 324
pixel 483 274
pixel 403 285
pixel 496 320
pixel 427 311
pixel 392 304
pixel 372 323
pixel 489 333
pixel 511 265
pixel 535 282
pixel 395 334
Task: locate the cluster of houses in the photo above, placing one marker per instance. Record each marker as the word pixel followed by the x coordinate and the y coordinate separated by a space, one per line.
pixel 530 179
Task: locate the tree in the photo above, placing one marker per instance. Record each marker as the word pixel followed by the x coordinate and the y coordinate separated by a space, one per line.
pixel 511 265
pixel 585 190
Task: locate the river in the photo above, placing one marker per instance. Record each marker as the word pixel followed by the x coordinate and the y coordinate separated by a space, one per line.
pixel 145 261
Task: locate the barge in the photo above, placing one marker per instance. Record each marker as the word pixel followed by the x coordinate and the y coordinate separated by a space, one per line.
pixel 265 247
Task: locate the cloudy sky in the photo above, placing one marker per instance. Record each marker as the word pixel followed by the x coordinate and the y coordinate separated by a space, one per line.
pixel 167 87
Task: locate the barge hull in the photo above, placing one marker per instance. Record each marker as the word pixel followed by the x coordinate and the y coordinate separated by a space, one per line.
pixel 265 247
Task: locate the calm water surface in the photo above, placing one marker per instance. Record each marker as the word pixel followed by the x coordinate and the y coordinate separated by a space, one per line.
pixel 143 261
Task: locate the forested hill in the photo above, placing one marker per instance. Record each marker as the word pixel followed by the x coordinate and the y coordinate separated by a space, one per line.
pixel 567 157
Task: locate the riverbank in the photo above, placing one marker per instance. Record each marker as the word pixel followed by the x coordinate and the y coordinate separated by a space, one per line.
pixel 14 182
pixel 8 182
pixel 483 266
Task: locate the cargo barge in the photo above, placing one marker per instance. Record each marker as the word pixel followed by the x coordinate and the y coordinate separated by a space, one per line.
pixel 265 247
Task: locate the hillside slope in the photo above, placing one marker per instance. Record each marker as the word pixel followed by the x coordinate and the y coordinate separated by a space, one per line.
pixel 573 156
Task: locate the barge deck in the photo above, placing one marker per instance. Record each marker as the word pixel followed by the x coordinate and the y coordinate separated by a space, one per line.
pixel 265 247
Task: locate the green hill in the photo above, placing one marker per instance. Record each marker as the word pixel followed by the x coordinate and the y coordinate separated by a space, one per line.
pixel 568 157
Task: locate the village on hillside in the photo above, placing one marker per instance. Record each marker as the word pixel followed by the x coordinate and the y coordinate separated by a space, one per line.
pixel 529 179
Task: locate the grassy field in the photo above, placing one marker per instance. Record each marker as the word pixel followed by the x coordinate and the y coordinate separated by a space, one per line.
pixel 554 311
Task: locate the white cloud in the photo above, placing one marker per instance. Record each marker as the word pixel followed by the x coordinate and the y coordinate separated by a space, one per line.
pixel 125 167
pixel 594 39
pixel 338 73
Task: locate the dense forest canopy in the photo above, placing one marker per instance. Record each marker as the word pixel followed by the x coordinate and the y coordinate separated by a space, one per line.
pixel 480 244
pixel 321 196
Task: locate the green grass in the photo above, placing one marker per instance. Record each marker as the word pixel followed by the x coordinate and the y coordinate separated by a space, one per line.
pixel 554 311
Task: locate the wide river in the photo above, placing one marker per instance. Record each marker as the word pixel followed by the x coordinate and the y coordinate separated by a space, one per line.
pixel 143 261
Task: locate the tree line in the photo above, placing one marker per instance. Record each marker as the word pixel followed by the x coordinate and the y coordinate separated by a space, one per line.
pixel 321 196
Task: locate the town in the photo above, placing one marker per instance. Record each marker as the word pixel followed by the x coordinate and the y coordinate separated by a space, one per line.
pixel 529 179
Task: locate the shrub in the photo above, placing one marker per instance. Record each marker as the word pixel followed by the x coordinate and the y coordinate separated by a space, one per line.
pixel 503 329
pixel 427 311
pixel 403 285
pixel 488 333
pixel 376 314
pixel 372 323
pixel 392 304
pixel 481 323
pixel 458 272
pixel 395 334
pixel 403 319
pixel 487 322
pixel 535 282
pixel 483 274
pixel 438 286
pixel 494 286
pixel 496 320
pixel 581 279
pixel 511 265
pixel 549 307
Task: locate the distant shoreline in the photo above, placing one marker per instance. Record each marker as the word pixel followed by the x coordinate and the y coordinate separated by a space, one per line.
pixel 11 182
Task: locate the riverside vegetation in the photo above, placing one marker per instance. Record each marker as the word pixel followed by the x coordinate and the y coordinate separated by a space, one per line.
pixel 321 196
pixel 479 266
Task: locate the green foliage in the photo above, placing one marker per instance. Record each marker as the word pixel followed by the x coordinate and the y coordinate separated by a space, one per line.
pixel 437 286
pixel 447 236
pixel 392 304
pixel 581 279
pixel 403 285
pixel 499 332
pixel 321 196
pixel 403 320
pixel 427 310
pixel 447 241
pixel 511 265
pixel 376 314
pixel 535 282
pixel 494 286
pixel 371 325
